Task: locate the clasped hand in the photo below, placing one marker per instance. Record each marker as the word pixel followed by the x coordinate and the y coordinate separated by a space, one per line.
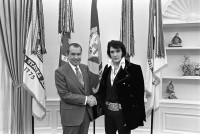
pixel 91 100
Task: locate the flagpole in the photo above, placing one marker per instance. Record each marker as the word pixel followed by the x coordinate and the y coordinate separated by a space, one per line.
pixel 32 119
pixel 32 125
pixel 152 114
pixel 94 127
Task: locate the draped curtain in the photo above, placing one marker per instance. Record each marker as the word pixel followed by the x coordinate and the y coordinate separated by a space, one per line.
pixel 5 96
pixel 13 32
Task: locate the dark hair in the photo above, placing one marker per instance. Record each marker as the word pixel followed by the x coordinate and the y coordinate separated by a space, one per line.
pixel 117 45
pixel 75 45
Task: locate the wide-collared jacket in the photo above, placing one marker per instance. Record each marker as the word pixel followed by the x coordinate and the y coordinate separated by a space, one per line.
pixel 130 90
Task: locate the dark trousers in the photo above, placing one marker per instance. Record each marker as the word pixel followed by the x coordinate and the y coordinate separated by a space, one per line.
pixel 82 129
pixel 114 122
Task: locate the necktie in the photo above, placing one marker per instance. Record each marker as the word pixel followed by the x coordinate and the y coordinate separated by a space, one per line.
pixel 79 75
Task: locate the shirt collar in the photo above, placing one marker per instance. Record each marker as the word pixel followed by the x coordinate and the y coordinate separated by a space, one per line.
pixel 121 64
pixel 73 67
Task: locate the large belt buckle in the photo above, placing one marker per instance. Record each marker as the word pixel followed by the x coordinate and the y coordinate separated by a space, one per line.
pixel 113 106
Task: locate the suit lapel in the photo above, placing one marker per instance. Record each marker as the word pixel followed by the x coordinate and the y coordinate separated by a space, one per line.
pixel 73 76
pixel 122 75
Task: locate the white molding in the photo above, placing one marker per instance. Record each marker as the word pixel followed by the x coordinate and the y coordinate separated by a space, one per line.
pixel 51 123
pixel 182 77
pixel 174 119
pixel 167 24
pixel 58 125
pixel 181 11
pixel 98 130
pixel 182 48
pixel 52 102
pixel 179 103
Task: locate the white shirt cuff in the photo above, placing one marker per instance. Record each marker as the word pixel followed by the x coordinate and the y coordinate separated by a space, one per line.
pixel 85 100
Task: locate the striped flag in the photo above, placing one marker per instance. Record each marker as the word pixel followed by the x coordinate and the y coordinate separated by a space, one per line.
pixel 65 27
pixel 126 27
pixel 156 56
pixel 64 44
pixel 33 62
pixel 94 52
pixel 95 57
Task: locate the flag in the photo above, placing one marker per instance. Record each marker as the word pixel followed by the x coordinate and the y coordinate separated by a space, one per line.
pixel 94 51
pixel 126 28
pixel 65 27
pixel 95 57
pixel 156 56
pixel 33 77
pixel 64 44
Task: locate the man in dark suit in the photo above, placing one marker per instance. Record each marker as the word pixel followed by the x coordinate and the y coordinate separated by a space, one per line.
pixel 72 83
pixel 121 92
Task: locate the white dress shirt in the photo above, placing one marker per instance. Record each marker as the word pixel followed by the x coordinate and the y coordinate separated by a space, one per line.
pixel 115 71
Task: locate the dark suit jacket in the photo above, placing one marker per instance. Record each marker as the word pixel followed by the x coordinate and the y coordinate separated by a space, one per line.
pixel 130 89
pixel 72 94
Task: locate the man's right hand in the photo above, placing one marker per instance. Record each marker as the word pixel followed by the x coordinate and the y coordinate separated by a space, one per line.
pixel 91 100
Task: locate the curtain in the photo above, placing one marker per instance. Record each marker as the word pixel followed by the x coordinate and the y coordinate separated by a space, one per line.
pixel 5 96
pixel 13 32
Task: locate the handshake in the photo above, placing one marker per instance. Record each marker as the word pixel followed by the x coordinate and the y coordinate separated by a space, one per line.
pixel 91 100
